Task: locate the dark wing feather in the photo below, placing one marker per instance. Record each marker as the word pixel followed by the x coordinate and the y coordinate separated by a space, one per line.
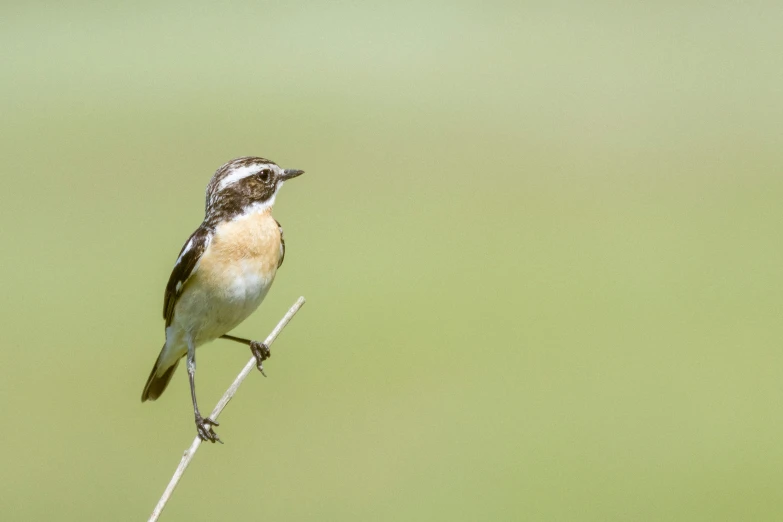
pixel 282 244
pixel 186 264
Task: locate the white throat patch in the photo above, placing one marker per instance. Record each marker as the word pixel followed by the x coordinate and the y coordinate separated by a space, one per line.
pixel 259 207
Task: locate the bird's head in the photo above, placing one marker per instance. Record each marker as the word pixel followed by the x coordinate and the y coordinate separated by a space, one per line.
pixel 245 185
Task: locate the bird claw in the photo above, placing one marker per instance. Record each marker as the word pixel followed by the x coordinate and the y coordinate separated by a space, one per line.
pixel 205 431
pixel 261 352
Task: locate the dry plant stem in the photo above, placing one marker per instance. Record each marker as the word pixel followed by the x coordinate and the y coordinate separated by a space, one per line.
pixel 230 392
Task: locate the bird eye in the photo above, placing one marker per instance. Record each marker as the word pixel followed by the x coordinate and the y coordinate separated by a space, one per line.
pixel 264 175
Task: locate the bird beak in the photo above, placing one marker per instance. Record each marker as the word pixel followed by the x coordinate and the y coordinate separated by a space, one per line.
pixel 291 173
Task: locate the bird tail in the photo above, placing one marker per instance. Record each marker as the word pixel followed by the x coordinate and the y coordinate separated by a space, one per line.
pixel 158 379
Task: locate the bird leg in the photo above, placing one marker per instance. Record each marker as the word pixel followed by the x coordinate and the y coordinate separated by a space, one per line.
pixel 260 350
pixel 203 425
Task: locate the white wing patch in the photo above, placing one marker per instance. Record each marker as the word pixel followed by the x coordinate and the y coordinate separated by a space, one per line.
pixel 186 265
pixel 184 251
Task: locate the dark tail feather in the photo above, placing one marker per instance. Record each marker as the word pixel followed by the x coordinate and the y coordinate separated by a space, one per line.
pixel 156 384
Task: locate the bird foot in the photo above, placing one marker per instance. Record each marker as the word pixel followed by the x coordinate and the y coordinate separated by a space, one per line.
pixel 205 431
pixel 261 352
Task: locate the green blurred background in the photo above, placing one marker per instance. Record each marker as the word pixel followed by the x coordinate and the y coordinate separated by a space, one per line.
pixel 540 244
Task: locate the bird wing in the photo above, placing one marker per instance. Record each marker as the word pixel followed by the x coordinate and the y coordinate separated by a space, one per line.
pixel 186 266
pixel 282 244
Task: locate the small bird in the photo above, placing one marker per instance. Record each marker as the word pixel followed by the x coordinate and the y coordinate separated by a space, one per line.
pixel 222 273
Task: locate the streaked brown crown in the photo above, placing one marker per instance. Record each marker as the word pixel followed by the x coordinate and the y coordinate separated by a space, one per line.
pixel 244 184
pixel 238 184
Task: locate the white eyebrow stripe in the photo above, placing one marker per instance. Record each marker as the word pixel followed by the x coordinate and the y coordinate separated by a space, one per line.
pixel 236 175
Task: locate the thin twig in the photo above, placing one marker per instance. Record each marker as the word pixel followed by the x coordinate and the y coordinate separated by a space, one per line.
pixel 230 392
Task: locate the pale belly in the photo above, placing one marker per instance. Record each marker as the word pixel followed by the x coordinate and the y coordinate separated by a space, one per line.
pixel 215 306
pixel 229 284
